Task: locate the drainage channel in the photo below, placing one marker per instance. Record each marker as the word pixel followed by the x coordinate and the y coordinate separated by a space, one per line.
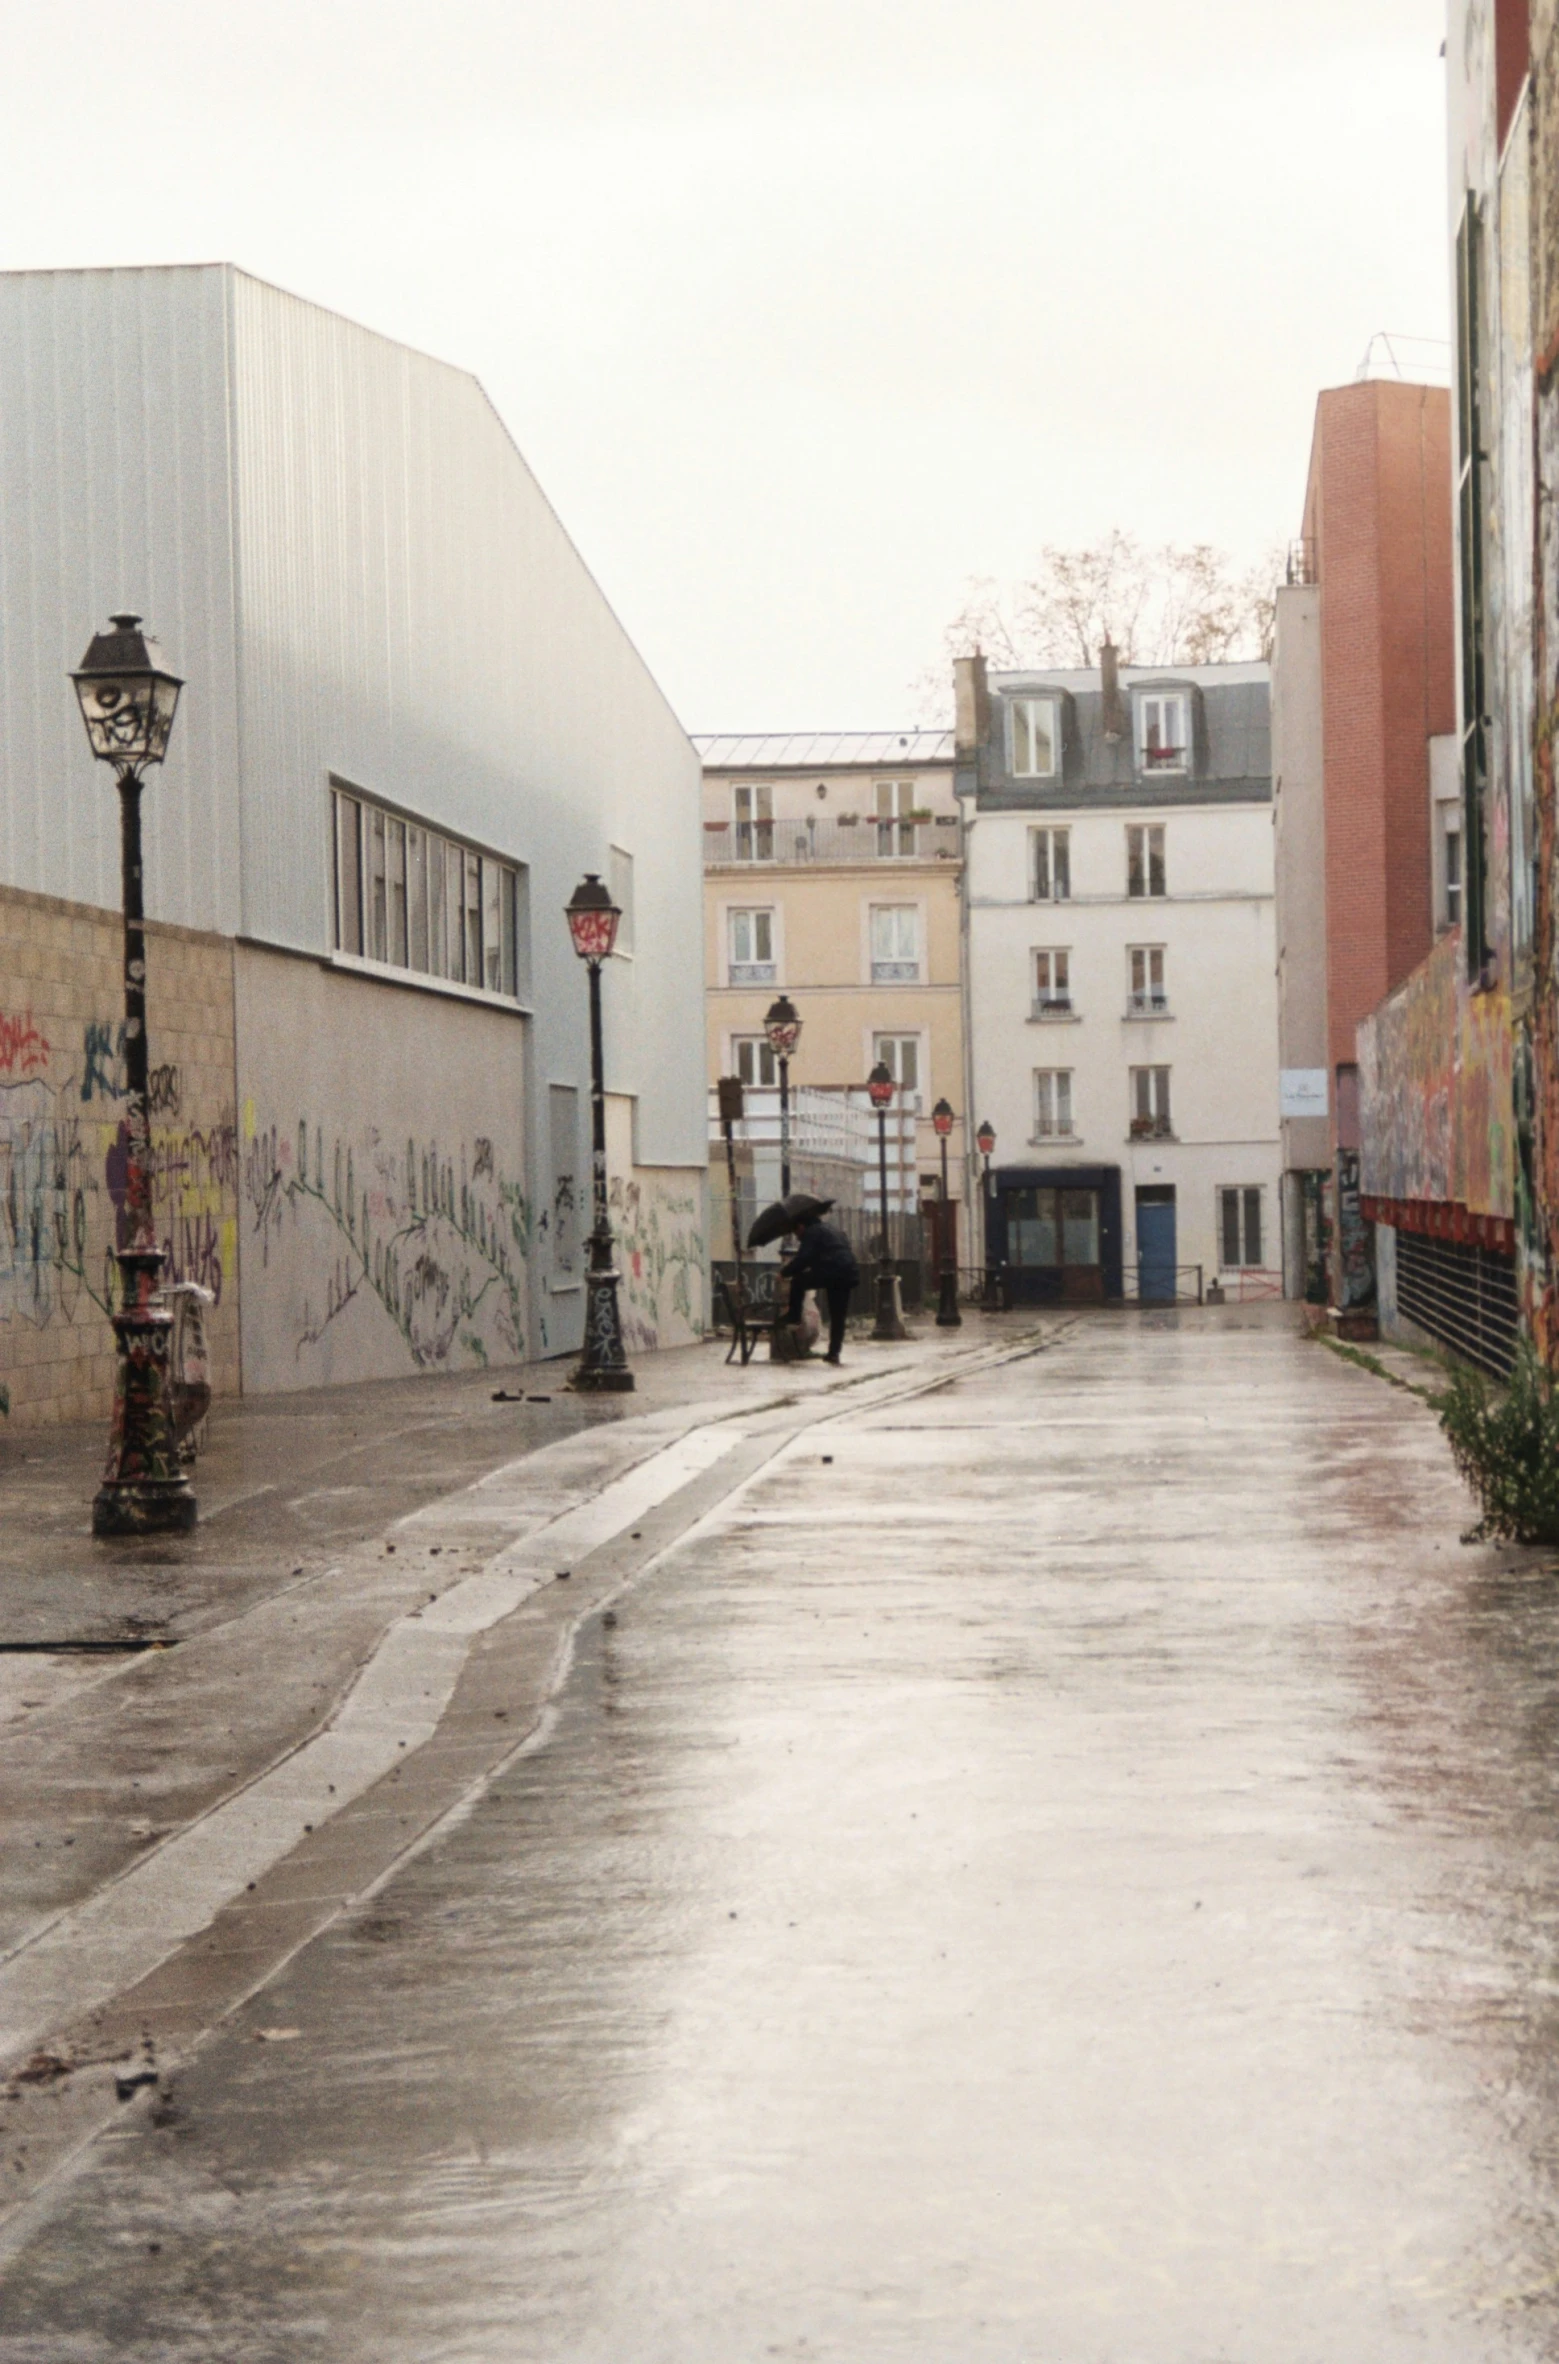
pixel 122 1645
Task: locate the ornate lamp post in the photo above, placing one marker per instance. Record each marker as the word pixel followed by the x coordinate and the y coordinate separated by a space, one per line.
pixel 603 1365
pixel 879 1087
pixel 782 1025
pixel 985 1142
pixel 948 1316
pixel 127 698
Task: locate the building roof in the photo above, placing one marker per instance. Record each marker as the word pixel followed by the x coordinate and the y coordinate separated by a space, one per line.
pixel 1230 762
pixel 811 751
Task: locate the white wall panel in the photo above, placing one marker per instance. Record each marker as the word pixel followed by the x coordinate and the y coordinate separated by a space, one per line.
pixel 414 618
pixel 113 495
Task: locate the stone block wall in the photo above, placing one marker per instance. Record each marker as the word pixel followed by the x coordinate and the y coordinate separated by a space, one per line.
pixel 62 1089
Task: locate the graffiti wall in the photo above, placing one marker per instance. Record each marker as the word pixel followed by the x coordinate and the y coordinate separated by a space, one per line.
pixel 62 1089
pixel 657 1218
pixel 384 1227
pixel 1435 1090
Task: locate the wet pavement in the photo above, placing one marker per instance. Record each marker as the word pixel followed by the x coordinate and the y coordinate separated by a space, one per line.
pixel 1056 1867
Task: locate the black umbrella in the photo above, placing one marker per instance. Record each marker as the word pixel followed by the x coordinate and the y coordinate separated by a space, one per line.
pixel 785 1215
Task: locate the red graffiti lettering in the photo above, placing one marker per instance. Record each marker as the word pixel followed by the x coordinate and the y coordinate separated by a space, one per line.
pixel 23 1050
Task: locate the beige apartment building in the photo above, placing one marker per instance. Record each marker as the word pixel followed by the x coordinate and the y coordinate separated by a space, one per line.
pixel 832 868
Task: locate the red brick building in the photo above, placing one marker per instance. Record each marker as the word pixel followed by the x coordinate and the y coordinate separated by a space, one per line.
pixel 1365 802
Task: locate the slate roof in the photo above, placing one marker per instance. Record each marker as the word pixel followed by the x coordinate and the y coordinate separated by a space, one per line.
pixel 1234 752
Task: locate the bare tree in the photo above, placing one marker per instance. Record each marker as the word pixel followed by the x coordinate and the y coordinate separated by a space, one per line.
pixel 1171 605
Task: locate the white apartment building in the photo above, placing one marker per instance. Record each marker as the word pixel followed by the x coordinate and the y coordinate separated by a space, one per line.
pixel 1120 966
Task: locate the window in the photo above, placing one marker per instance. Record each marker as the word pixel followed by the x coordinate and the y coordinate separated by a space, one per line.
pixel 1050 865
pixel 1150 1103
pixel 1163 734
pixel 900 1054
pixel 1034 738
pixel 752 948
pixel 755 1060
pixel 1145 859
pixel 754 824
pixel 620 879
pixel 1046 1228
pixel 413 900
pixel 1145 995
pixel 1052 984
pixel 1239 1230
pixel 1053 1104
pixel 895 943
pixel 895 829
pixel 1453 876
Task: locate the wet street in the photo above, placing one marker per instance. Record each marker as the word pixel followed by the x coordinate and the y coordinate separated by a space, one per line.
pixel 1059 1866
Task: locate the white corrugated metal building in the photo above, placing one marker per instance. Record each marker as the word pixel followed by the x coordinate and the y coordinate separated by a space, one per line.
pixel 371 599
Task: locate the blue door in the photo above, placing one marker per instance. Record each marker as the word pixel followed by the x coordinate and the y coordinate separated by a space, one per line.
pixel 1156 1251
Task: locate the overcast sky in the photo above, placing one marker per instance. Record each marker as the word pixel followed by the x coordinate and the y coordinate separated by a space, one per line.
pixel 804 312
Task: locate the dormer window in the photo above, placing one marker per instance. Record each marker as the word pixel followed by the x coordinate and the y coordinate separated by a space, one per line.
pixel 1164 731
pixel 1036 738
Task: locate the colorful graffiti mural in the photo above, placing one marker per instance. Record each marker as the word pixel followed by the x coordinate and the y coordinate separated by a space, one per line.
pixel 62 1157
pixel 1436 1090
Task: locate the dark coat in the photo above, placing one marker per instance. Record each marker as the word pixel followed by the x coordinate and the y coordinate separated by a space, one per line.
pixel 824 1259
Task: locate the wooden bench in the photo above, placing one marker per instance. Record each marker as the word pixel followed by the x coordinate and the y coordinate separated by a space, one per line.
pixel 750 1312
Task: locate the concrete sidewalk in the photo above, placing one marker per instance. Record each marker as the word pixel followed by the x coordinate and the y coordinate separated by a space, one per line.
pixel 191 1666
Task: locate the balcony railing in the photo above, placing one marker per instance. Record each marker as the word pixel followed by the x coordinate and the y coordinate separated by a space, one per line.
pixel 865 839
pixel 1151 1128
pixel 1053 1005
pixel 1147 1005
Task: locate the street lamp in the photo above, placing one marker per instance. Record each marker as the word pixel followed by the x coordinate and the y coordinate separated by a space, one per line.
pixel 879 1090
pixel 985 1142
pixel 948 1316
pixel 782 1025
pixel 603 1364
pixel 127 699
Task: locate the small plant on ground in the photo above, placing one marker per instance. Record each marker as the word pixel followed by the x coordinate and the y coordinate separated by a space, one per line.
pixel 1505 1442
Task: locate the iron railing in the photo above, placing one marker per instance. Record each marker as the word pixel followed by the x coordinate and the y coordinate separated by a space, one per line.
pixel 752 844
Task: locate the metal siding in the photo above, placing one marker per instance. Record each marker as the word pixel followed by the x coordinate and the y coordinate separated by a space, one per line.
pixel 114 494
pixel 414 618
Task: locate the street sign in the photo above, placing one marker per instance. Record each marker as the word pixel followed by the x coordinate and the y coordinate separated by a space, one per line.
pixel 1302 1091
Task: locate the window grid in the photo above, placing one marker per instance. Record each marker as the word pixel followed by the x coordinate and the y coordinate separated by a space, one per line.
pixel 900 1054
pixel 409 898
pixel 1150 1103
pixel 1052 983
pixel 895 943
pixel 753 810
pixel 895 802
pixel 1239 1229
pixel 1050 865
pixel 1033 738
pixel 1145 874
pixel 1165 735
pixel 751 940
pixel 1053 1104
pixel 1145 994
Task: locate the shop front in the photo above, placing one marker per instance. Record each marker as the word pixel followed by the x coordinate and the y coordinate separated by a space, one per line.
pixel 1057 1231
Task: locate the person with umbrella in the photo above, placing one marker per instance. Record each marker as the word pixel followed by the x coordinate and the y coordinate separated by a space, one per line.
pixel 823 1259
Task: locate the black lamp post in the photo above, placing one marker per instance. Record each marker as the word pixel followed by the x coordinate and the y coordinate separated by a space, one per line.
pixel 985 1142
pixel 127 699
pixel 948 1316
pixel 782 1025
pixel 879 1087
pixel 603 1365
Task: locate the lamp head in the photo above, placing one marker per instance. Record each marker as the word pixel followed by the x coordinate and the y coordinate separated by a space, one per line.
pixel 986 1138
pixel 880 1087
pixel 782 1025
pixel 942 1119
pixel 127 696
pixel 592 918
